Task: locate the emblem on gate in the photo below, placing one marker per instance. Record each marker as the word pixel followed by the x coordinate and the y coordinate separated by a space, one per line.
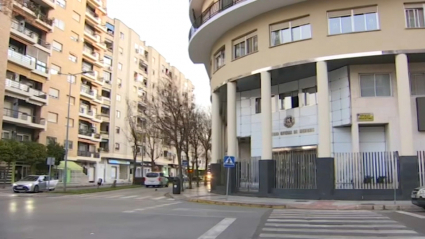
pixel 289 121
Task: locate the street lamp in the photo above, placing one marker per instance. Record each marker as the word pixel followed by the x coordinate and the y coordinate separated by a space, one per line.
pixel 70 80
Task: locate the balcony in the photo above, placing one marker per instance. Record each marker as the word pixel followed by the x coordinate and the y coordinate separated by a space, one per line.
pixel 28 62
pixel 14 88
pixel 104 134
pixel 86 113
pixel 46 3
pixel 23 119
pixel 87 92
pixel 84 134
pixel 96 3
pixel 92 75
pixel 106 100
pixel 91 16
pixel 105 117
pixel 94 38
pixel 90 54
pixel 23 32
pixel 219 18
pixel 87 155
pixel 33 10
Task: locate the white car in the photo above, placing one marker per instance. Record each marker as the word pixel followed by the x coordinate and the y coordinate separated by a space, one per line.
pixel 153 179
pixel 34 183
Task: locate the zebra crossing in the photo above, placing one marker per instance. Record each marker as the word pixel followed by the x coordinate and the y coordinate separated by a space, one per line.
pixel 321 224
pixel 116 197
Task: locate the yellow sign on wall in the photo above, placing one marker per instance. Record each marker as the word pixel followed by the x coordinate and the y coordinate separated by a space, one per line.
pixel 365 117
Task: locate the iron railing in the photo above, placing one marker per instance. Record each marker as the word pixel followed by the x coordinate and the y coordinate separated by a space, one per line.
pixel 366 170
pixel 36 9
pixel 23 116
pixel 25 88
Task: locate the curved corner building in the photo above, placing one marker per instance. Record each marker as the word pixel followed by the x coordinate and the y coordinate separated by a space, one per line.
pixel 301 88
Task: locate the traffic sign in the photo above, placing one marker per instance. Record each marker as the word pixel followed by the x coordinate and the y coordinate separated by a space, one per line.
pixel 229 161
pixel 50 161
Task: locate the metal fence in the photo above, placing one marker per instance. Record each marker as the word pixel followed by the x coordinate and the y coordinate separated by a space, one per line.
pixel 421 159
pixel 295 169
pixel 247 175
pixel 366 170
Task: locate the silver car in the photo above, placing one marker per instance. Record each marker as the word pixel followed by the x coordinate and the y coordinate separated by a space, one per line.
pixel 34 183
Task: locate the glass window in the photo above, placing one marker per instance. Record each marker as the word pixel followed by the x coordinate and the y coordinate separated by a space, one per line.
pixel 219 60
pixel 297 30
pixel 415 17
pixel 258 105
pixel 417 83
pixel 356 20
pixel 375 85
pixel 54 93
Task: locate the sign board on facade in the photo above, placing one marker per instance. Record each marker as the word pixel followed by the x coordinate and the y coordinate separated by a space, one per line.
pixel 365 117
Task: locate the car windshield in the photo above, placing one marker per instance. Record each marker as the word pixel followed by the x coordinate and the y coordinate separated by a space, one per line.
pixel 152 175
pixel 30 178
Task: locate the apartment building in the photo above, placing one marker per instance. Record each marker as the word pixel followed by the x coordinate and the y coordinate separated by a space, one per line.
pixel 134 70
pixel 25 77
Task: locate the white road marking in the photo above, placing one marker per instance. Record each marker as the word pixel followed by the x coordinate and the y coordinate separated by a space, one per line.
pixel 210 210
pixel 133 196
pixel 114 196
pixel 171 199
pixel 332 226
pixel 142 197
pixel 158 198
pixel 297 236
pixel 216 230
pixel 347 231
pixel 328 221
pixel 411 214
pixel 157 206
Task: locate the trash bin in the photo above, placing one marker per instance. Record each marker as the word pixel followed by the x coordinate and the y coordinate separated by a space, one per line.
pixel 176 186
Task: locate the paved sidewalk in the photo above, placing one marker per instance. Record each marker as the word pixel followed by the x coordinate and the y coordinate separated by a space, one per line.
pixel 72 186
pixel 202 195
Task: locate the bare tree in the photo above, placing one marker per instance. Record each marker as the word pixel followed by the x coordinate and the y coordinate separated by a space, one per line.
pixel 204 134
pixel 153 141
pixel 195 140
pixel 168 110
pixel 188 134
pixel 134 134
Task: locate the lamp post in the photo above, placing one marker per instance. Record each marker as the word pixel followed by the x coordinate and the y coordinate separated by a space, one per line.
pixel 70 81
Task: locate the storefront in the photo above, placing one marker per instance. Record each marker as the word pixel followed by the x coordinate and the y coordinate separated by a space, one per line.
pixel 118 170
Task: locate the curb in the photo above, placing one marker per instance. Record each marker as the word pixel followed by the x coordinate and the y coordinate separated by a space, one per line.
pixel 284 206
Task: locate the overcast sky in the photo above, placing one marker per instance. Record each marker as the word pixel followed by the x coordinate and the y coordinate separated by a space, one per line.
pixel 164 25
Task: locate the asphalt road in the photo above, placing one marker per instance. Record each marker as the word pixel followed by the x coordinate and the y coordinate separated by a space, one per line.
pixel 148 214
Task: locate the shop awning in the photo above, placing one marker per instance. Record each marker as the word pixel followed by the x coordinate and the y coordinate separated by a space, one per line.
pixel 73 166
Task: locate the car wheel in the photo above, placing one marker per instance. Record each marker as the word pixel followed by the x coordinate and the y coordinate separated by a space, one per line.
pixel 36 190
pixel 15 191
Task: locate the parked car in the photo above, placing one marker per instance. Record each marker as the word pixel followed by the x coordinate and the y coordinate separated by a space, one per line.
pixel 154 179
pixel 418 197
pixel 34 183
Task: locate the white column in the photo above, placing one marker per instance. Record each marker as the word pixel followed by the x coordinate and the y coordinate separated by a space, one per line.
pixel 266 116
pixel 355 138
pixel 231 119
pixel 324 148
pixel 216 128
pixel 404 105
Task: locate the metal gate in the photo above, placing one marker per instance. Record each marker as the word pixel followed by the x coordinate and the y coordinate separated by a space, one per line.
pixel 247 175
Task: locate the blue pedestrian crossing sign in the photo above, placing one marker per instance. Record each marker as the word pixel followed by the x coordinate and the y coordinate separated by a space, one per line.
pixel 229 161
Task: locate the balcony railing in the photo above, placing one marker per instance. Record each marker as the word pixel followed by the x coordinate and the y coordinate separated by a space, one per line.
pixel 23 116
pixel 211 11
pixel 36 9
pixel 84 153
pixel 27 61
pixel 25 88
pixel 86 111
pixel 85 132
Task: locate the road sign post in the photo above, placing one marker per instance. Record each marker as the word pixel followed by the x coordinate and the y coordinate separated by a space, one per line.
pixel 50 162
pixel 228 162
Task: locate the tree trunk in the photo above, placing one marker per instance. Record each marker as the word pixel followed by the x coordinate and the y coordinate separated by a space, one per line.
pixel 134 166
pixel 197 171
pixel 179 160
pixel 189 172
pixel 6 171
pixel 206 165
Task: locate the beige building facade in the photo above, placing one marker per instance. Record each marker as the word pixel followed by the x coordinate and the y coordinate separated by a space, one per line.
pixel 60 51
pixel 321 77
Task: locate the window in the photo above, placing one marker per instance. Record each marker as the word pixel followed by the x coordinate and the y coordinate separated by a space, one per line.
pixel 119 66
pixel 121 50
pixel 245 45
pixel 354 20
pixel 54 69
pixel 52 117
pixel 74 36
pixel 289 100
pixel 121 35
pixel 135 60
pixel 59 24
pixel 61 3
pixel 118 97
pixel 375 85
pixel 290 31
pixel 117 146
pixel 258 105
pixel 71 100
pixel 71 122
pixel 117 130
pixel 70 144
pixel 219 59
pixel 417 83
pixel 76 16
pixel 72 58
pixel 57 46
pixel 54 93
pixel 310 96
pixel 6 135
pixel 107 61
pixel 119 83
pixel 415 15
pixel 118 114
pixel 51 140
